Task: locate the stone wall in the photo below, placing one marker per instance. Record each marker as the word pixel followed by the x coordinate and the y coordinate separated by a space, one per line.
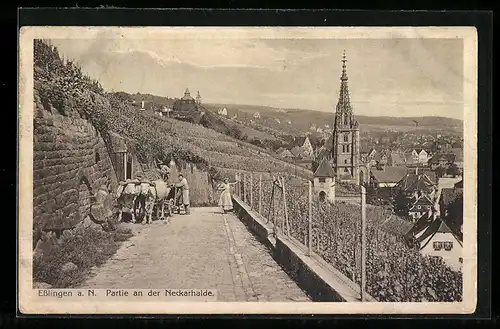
pixel 70 162
pixel 319 279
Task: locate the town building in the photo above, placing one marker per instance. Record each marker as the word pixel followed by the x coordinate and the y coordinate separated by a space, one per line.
pixel 223 112
pixel 386 177
pixel 415 184
pixel 342 148
pixel 256 115
pixel 421 206
pixel 443 160
pixel 324 182
pixel 301 147
pixel 420 157
pixel 433 237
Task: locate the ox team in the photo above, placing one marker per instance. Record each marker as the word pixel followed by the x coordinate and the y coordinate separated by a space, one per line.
pixel 140 196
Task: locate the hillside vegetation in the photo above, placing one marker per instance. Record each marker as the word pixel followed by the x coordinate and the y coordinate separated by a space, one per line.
pixel 62 84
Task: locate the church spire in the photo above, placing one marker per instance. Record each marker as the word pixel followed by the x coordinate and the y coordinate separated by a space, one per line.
pixel 344 115
pixel 344 73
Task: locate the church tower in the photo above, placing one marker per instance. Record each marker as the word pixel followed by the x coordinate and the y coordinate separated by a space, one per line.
pixel 345 153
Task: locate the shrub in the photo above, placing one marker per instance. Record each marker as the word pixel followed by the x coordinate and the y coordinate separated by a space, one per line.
pixel 85 247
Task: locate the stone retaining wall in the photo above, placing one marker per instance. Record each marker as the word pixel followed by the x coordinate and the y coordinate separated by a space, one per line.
pixel 70 162
pixel 318 278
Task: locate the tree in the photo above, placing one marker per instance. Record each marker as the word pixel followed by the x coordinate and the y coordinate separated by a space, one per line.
pixel 440 171
pixel 401 204
pixel 456 212
pixel 453 170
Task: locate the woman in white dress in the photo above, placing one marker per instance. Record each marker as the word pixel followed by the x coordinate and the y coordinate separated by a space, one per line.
pixel 225 200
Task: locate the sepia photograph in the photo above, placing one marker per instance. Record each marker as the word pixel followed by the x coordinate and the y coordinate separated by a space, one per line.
pixel 247 170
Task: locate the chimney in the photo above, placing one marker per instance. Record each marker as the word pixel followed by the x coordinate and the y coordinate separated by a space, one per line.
pixel 416 170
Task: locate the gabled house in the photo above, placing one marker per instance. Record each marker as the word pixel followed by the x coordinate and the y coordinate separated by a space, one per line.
pixel 433 237
pixel 442 160
pixel 420 156
pixel 256 115
pixel 301 146
pixel 421 206
pixel 387 177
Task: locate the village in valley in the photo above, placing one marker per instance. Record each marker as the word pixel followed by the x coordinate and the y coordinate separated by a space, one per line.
pixel 311 176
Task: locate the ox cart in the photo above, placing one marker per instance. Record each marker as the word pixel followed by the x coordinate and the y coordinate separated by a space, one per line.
pixel 143 198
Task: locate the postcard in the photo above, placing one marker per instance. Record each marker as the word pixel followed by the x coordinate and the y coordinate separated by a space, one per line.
pixel 247 170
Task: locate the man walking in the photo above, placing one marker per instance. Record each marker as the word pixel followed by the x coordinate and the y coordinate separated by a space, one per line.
pixel 183 186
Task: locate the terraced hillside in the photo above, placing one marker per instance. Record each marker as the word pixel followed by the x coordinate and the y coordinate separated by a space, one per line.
pixel 62 83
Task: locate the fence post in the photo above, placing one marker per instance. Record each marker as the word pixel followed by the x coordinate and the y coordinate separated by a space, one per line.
pixel 245 187
pixel 285 206
pixel 251 190
pixel 309 242
pixel 274 206
pixel 260 194
pixel 363 243
pixel 237 186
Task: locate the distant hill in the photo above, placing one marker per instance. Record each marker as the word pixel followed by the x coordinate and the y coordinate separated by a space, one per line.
pixel 301 120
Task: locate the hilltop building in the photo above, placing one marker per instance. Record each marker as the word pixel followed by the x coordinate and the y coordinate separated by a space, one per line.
pixel 342 149
pixel 187 107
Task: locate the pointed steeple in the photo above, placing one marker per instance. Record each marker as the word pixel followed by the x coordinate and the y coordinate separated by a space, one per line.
pixel 187 93
pixel 344 116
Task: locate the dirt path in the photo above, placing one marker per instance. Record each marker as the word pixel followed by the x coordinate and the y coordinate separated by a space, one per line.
pixel 204 250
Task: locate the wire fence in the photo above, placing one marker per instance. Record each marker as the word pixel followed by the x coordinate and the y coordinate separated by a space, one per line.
pixel 386 266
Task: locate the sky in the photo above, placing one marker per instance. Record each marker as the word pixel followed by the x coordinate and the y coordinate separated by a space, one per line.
pixel 387 77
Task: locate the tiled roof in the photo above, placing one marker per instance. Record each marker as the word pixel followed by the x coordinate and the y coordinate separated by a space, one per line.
pixel 420 224
pixel 460 184
pixel 426 226
pixel 414 182
pixel 295 151
pixel 324 170
pixel 298 141
pixel 423 200
pixel 389 175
